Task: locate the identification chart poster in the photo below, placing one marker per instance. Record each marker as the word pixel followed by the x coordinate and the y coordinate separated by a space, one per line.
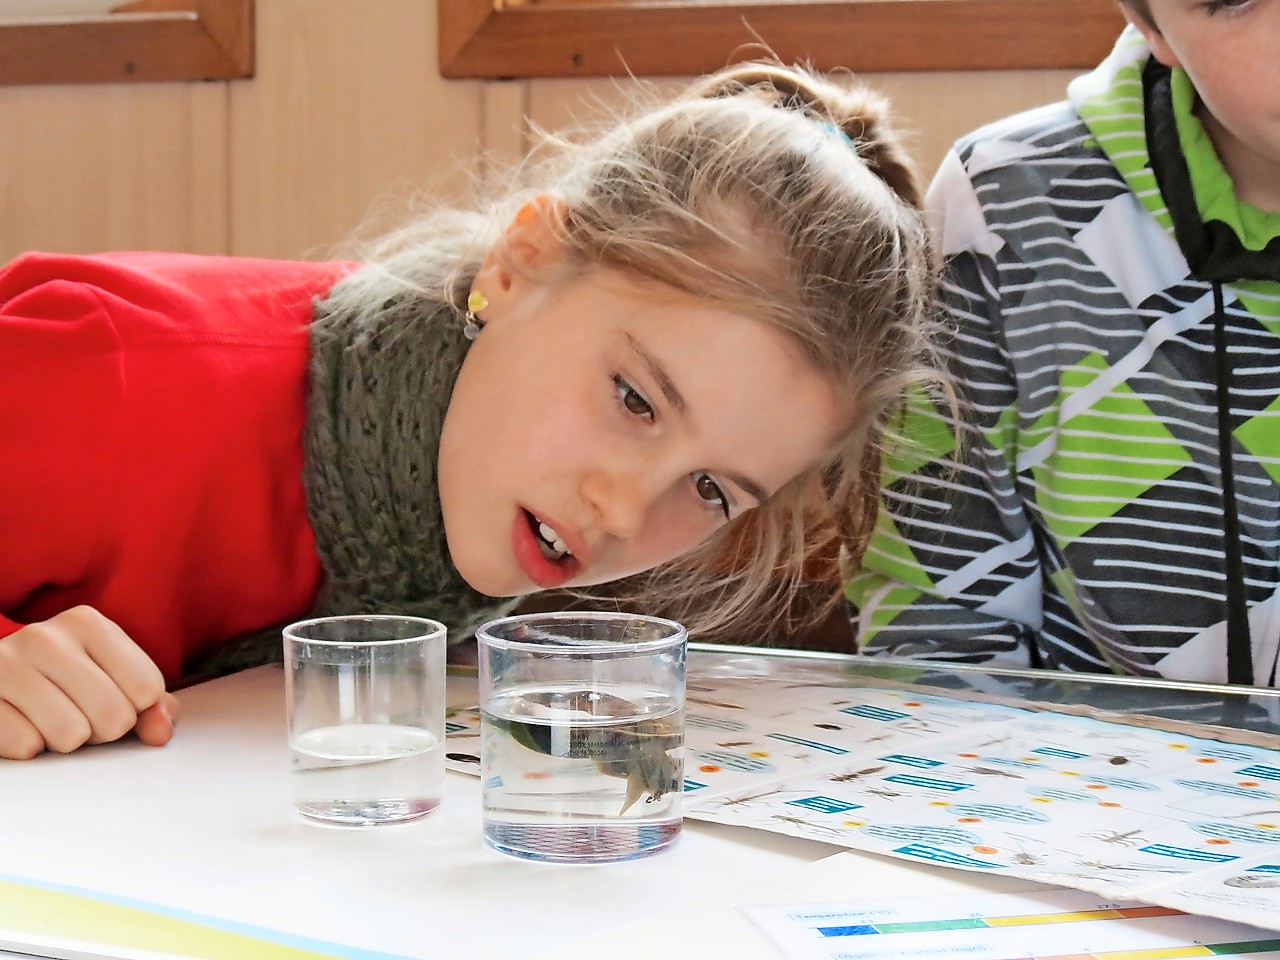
pixel 1124 811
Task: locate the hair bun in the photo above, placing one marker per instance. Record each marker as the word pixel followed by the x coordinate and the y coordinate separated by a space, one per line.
pixel 857 110
pixel 864 119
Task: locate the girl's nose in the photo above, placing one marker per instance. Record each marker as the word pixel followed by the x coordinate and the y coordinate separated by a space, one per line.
pixel 622 499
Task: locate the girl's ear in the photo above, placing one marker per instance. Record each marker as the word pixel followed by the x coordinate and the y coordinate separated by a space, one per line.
pixel 528 248
pixel 1155 39
pixel 533 238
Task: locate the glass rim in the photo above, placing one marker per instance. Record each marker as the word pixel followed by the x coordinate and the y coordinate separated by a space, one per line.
pixel 679 634
pixel 432 630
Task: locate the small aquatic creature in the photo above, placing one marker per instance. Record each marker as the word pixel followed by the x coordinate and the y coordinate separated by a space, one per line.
pixel 639 751
pixel 652 773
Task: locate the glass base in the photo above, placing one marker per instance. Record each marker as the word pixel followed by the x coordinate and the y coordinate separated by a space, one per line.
pixel 365 813
pixel 581 842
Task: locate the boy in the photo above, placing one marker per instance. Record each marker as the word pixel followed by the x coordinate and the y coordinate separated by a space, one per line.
pixel 1112 499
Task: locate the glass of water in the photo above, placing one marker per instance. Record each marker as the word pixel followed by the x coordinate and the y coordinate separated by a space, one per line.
pixel 582 735
pixel 365 700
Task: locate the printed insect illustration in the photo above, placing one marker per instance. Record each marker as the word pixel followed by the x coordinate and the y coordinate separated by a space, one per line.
pixel 1025 859
pixel 883 792
pixel 856 774
pixel 749 798
pixel 703 701
pixel 817 828
pixel 1130 838
pixel 1120 760
pixel 1123 867
pixel 996 741
pixel 994 772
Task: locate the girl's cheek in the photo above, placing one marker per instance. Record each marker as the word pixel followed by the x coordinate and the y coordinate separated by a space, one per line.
pixel 673 532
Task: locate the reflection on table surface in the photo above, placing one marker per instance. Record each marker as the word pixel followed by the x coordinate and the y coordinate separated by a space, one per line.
pixel 1255 709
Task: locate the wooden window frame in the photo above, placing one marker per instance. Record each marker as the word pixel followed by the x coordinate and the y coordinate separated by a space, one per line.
pixel 138 41
pixel 503 39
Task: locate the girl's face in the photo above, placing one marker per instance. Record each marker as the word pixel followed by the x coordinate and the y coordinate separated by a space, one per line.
pixel 1231 51
pixel 601 426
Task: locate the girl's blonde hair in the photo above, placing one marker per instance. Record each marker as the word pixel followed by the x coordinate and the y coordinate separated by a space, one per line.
pixel 781 194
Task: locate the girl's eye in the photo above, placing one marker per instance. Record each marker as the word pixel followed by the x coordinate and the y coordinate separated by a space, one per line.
pixel 1217 6
pixel 709 491
pixel 632 400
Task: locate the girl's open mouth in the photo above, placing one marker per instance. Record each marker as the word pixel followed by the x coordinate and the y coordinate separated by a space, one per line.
pixel 548 540
pixel 542 553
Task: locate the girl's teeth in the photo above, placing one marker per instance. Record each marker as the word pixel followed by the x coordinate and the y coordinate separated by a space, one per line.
pixel 558 546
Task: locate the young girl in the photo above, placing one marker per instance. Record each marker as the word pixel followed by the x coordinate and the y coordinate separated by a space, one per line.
pixel 683 327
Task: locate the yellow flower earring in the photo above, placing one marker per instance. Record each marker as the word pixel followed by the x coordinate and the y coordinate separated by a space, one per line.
pixel 476 302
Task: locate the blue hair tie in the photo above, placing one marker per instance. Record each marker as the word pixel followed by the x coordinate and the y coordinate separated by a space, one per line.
pixel 832 128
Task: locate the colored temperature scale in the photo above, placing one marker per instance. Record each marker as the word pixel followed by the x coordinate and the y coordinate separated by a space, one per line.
pixel 1080 916
pixel 1053 924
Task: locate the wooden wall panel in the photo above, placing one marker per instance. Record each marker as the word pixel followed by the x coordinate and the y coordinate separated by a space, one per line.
pixel 504 133
pixel 598 38
pixel 347 113
pixel 138 41
pixel 113 166
pixel 936 108
pixel 346 117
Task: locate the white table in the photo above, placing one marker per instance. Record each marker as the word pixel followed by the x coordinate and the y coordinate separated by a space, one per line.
pixel 204 825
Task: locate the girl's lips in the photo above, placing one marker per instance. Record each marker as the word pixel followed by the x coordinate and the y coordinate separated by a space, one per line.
pixel 546 574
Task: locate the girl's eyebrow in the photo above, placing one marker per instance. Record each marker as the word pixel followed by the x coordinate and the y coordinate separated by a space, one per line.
pixel 676 400
pixel 656 371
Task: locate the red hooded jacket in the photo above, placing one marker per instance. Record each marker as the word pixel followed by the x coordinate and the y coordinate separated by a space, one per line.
pixel 151 415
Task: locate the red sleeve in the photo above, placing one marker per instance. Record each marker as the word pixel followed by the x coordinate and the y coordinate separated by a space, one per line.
pixel 61 393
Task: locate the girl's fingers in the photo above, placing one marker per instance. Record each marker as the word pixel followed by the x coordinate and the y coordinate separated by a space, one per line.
pixel 59 722
pixel 155 724
pixel 78 678
pixel 109 712
pixel 19 739
pixel 123 661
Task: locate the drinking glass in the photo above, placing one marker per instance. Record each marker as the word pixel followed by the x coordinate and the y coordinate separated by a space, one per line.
pixel 582 734
pixel 365 701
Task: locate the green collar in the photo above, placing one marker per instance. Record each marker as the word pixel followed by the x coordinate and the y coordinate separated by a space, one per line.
pixel 1210 182
pixel 1142 116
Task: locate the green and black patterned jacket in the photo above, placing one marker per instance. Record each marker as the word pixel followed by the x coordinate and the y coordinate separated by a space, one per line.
pixel 1081 526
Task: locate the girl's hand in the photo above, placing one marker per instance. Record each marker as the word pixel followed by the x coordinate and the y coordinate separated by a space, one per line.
pixel 77 678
